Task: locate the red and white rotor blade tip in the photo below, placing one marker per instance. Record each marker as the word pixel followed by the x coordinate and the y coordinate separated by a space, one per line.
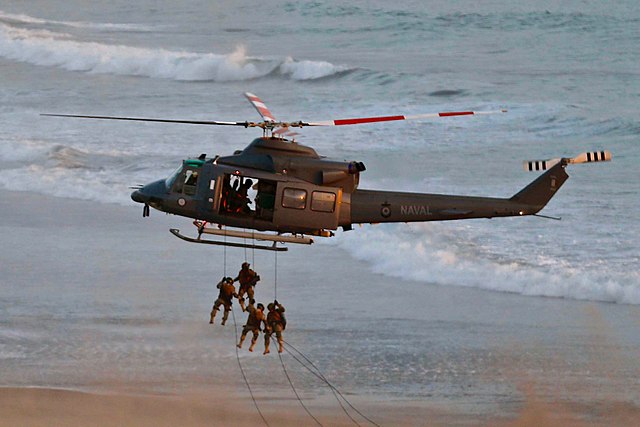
pixel 361 120
pixel 261 107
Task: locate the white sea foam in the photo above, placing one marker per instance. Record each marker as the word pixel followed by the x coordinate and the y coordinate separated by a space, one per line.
pixel 432 254
pixel 310 70
pixel 55 49
pixel 64 171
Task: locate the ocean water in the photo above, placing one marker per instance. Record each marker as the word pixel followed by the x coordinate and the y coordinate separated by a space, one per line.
pixel 566 72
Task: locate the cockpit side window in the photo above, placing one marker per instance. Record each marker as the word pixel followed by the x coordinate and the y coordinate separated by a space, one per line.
pixel 190 182
pixel 184 180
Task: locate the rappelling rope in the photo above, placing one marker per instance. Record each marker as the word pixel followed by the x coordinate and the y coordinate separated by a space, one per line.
pixel 295 391
pixel 284 369
pixel 275 279
pixel 321 376
pixel 225 255
pixel 235 328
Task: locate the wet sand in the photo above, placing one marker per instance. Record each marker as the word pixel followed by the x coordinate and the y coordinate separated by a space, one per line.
pixel 103 321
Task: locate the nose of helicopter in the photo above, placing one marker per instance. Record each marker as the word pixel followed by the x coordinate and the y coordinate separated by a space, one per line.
pixel 152 193
pixel 138 196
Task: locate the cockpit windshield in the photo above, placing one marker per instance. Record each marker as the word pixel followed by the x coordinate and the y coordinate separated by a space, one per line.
pixel 172 178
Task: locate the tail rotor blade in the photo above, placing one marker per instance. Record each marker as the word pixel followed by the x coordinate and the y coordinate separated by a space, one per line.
pixel 588 157
pixel 592 156
pixel 540 165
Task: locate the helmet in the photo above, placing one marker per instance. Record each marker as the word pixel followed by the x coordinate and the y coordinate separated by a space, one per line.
pixel 271 306
pixel 245 264
pixel 260 306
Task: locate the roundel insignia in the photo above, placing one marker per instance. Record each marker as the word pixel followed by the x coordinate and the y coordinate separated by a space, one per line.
pixel 182 201
pixel 385 210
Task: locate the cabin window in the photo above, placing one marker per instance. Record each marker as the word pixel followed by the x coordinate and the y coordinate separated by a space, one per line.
pixel 294 198
pixel 322 201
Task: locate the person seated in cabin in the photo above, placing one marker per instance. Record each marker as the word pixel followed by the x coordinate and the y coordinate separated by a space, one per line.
pixel 225 297
pixel 276 323
pixel 254 321
pixel 192 178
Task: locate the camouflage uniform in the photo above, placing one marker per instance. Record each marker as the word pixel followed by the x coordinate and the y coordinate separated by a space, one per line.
pixel 248 279
pixel 227 292
pixel 255 319
pixel 276 323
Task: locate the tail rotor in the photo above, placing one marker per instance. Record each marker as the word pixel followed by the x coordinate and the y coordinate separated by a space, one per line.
pixel 589 157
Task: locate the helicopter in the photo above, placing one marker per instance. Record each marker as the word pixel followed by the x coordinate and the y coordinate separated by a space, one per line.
pixel 284 192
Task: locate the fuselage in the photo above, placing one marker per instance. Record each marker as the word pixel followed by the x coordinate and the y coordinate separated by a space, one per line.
pixel 277 185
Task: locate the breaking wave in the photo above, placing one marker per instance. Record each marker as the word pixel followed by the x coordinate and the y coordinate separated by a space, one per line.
pixel 449 257
pixel 57 49
pixel 63 171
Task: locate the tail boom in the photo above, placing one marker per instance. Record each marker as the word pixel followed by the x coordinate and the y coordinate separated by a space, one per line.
pixel 370 206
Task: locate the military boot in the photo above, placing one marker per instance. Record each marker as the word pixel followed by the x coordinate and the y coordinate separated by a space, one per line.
pixel 213 316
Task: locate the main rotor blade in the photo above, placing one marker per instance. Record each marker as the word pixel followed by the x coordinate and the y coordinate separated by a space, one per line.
pixel 138 119
pixel 357 121
pixel 261 107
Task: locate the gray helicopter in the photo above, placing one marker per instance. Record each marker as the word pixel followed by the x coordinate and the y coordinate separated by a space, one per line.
pixel 284 192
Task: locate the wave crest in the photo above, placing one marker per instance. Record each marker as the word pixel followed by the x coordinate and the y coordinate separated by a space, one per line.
pixel 424 253
pixel 54 49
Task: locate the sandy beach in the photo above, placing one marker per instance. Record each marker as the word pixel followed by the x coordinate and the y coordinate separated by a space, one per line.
pixel 104 315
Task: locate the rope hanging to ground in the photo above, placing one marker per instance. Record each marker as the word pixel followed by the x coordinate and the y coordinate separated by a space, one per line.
pixel 317 374
pixel 246 381
pixel 321 376
pixel 295 391
pixel 235 329
pixel 284 369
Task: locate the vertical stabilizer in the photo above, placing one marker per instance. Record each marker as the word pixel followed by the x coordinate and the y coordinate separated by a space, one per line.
pixel 540 191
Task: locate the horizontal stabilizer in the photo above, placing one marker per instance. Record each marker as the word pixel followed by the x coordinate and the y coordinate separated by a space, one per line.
pixel 592 156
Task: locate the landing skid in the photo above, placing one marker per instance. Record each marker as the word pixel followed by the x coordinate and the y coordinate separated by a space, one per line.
pixel 176 233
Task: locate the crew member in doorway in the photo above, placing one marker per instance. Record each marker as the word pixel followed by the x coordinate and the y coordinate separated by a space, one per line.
pixel 243 196
pixel 276 323
pixel 254 321
pixel 248 279
pixel 227 292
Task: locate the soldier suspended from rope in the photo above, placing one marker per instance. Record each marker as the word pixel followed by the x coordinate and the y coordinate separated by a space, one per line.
pixel 254 323
pixel 225 297
pixel 276 323
pixel 248 279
